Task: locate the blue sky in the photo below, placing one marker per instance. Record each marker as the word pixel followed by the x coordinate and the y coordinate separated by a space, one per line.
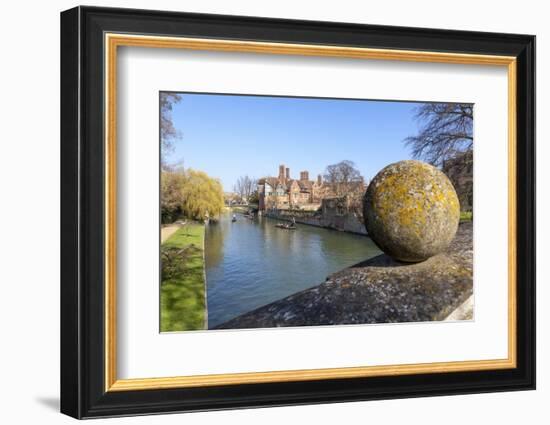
pixel 230 135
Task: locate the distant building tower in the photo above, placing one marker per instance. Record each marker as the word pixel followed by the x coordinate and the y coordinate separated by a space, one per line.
pixel 288 173
pixel 282 172
pixel 304 176
pixel 319 179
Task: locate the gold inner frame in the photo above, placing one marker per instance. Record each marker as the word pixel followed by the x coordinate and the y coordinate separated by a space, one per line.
pixel 113 41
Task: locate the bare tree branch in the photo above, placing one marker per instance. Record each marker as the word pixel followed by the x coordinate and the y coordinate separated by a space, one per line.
pixel 244 187
pixel 168 133
pixel 446 130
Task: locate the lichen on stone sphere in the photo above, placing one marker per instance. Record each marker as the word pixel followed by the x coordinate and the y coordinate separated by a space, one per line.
pixel 411 211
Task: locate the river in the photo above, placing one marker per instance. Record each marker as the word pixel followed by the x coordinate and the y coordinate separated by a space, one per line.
pixel 250 263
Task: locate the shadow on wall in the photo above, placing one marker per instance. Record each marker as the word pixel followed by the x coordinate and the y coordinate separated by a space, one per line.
pixel 49 402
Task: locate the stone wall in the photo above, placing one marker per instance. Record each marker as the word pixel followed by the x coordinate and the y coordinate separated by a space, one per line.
pixel 460 172
pixel 346 223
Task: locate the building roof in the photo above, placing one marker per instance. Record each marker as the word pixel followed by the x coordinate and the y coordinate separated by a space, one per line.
pixel 305 185
pixel 274 182
pixel 290 182
pixel 271 181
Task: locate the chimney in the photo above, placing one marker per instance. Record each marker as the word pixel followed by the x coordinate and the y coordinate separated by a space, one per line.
pixel 304 175
pixel 319 180
pixel 281 172
pixel 288 173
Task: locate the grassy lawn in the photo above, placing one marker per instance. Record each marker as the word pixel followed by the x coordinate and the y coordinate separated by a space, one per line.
pixel 466 216
pixel 239 209
pixel 182 298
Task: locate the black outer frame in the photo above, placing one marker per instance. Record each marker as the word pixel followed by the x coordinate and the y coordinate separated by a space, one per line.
pixel 82 212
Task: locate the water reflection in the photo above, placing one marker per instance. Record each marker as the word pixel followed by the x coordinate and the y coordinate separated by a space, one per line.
pixel 251 263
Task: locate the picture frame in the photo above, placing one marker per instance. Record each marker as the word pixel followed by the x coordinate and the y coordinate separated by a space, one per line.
pixel 90 39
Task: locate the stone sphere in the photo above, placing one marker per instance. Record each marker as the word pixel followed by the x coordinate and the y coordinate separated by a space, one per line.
pixel 411 211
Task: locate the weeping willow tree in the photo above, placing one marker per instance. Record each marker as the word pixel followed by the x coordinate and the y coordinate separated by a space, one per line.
pixel 202 195
pixel 190 193
pixel 171 195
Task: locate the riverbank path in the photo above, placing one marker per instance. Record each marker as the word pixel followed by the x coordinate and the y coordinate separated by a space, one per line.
pixel 168 231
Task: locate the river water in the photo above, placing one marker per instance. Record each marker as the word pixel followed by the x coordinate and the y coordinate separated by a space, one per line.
pixel 250 263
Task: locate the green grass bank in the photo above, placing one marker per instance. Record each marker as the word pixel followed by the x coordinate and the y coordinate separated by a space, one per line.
pixel 182 295
pixel 466 215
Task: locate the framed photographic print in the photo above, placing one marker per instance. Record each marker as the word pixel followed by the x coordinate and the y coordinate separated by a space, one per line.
pixel 261 212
